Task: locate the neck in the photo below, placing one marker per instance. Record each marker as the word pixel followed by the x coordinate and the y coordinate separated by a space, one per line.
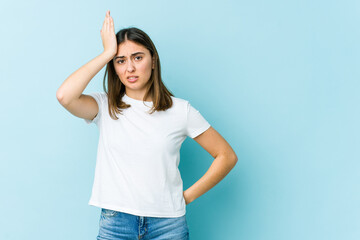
pixel 138 95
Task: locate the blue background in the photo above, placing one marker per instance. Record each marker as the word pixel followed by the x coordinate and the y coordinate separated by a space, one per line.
pixel 278 79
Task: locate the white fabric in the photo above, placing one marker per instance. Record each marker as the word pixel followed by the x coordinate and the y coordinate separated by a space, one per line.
pixel 138 157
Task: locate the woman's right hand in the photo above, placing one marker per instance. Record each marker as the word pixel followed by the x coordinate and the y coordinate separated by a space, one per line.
pixel 108 35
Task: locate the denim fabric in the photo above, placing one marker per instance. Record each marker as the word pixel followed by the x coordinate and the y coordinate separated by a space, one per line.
pixel 119 225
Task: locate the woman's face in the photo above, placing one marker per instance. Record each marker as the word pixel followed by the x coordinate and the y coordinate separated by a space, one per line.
pixel 133 59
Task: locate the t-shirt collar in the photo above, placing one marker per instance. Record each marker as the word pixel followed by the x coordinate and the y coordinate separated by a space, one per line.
pixel 130 100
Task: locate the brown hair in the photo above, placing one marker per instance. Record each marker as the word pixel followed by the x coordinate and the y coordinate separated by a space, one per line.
pixel 161 96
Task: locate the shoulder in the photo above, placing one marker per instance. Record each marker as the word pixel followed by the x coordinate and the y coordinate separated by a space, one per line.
pixel 100 95
pixel 180 103
pixel 100 98
pixel 103 96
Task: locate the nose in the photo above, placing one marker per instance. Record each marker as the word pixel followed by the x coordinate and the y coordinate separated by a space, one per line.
pixel 130 66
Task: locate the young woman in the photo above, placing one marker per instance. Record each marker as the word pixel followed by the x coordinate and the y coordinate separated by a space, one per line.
pixel 137 182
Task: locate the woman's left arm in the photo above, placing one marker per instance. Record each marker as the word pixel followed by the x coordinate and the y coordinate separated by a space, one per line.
pixel 225 160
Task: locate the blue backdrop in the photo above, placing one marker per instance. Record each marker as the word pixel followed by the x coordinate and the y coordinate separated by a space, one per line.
pixel 278 79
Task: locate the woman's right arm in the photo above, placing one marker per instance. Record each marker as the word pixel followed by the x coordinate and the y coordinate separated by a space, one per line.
pixel 72 88
pixel 70 94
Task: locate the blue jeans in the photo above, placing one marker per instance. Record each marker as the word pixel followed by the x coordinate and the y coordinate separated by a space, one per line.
pixel 115 225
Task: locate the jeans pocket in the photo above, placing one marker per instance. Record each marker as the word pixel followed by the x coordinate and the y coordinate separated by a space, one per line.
pixel 108 212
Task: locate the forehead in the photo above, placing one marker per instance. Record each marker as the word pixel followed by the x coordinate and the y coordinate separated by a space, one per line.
pixel 128 47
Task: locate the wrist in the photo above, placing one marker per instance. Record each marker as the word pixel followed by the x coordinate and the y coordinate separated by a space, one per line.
pixel 187 197
pixel 108 55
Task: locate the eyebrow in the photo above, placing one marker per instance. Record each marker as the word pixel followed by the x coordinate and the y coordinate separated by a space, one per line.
pixel 131 55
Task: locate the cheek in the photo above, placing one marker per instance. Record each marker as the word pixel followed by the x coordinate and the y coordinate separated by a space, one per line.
pixel 144 68
pixel 120 73
pixel 120 70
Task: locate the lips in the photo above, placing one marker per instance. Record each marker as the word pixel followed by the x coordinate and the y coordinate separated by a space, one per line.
pixel 132 78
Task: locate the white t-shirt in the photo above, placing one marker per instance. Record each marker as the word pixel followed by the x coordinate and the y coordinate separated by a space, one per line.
pixel 138 157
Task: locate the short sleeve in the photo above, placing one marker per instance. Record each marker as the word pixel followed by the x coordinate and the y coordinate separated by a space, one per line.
pixel 195 122
pixel 99 98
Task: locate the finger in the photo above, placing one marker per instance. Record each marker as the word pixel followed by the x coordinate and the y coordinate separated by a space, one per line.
pixel 108 23
pixel 104 23
pixel 111 25
pixel 106 17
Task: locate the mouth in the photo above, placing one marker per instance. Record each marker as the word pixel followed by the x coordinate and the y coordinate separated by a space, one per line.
pixel 133 78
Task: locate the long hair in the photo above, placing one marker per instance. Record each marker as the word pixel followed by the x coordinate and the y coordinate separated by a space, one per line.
pixel 155 88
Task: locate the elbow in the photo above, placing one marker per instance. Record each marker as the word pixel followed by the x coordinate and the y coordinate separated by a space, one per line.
pixel 234 159
pixel 61 98
pixel 231 158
